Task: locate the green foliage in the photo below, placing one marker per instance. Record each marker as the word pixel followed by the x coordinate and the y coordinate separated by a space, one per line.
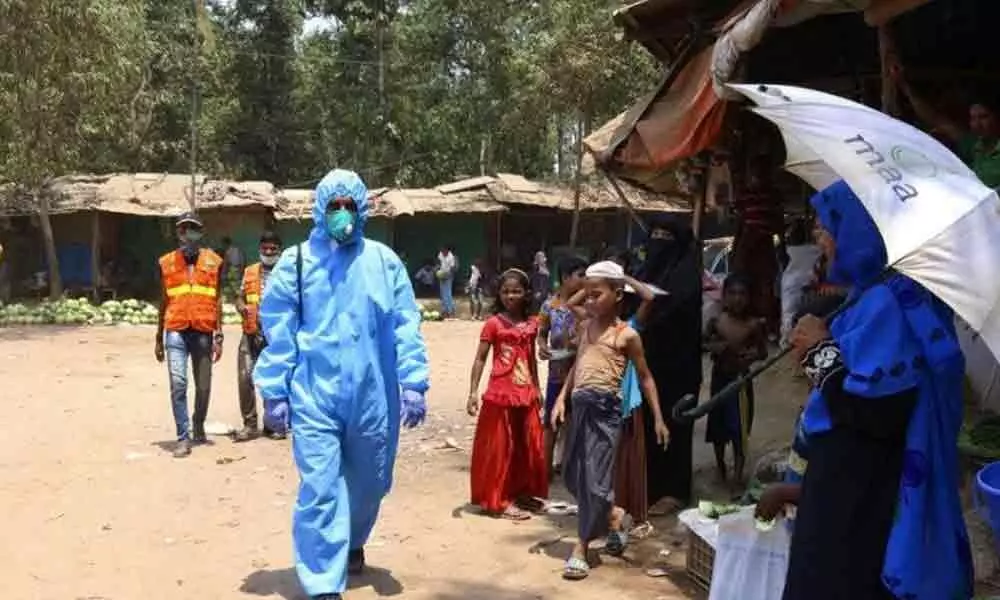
pixel 409 92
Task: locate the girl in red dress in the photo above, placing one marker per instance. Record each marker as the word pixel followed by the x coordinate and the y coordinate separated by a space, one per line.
pixel 508 455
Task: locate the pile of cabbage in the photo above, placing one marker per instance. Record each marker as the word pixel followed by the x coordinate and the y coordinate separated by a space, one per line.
pixel 79 311
pixel 427 314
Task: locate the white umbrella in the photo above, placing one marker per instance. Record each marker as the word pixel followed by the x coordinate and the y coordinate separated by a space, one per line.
pixel 940 223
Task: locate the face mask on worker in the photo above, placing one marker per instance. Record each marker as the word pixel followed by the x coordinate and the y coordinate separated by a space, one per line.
pixel 268 260
pixel 340 225
pixel 190 244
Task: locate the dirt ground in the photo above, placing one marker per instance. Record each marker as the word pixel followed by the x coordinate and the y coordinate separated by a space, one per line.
pixel 96 508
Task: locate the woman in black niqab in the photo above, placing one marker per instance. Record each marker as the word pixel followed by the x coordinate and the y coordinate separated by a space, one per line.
pixel 672 339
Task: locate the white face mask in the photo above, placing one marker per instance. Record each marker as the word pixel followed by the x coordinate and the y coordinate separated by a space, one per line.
pixel 268 261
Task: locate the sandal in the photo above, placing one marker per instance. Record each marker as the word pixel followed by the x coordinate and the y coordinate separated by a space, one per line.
pixel 575 569
pixel 513 513
pixel 618 540
pixel 642 531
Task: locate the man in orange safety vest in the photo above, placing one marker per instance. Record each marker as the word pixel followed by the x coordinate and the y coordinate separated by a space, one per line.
pixel 190 326
pixel 248 303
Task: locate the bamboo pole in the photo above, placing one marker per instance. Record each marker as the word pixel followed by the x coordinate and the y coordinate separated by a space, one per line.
pixel 887 58
pixel 621 196
pixel 697 219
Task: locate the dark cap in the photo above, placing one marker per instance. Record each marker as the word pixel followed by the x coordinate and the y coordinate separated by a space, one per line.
pixel 189 218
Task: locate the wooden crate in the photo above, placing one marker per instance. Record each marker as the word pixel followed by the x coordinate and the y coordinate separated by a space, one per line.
pixel 700 560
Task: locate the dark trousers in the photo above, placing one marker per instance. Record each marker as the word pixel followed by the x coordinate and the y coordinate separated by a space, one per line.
pixel 179 346
pixel 250 348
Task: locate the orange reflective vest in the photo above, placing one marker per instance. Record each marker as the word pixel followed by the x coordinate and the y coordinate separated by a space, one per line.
pixel 251 295
pixel 192 292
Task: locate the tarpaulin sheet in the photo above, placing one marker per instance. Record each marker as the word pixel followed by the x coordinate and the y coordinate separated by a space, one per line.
pixel 679 122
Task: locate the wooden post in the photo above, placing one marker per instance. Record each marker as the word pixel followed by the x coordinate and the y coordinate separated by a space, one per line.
pixel 628 205
pixel 696 219
pixel 574 228
pixel 887 57
pixel 41 198
pixel 95 255
pixel 499 258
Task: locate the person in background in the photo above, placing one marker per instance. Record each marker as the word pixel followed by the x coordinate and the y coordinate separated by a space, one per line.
pixel 879 511
pixel 735 339
pixel 345 359
pixel 630 462
pixel 541 280
pixel 425 278
pixel 977 143
pixel 594 386
pixel 754 253
pixel 508 466
pixel 252 343
pixel 190 326
pixel 798 274
pixel 474 289
pixel 557 333
pixel 447 266
pixel 233 262
pixel 672 339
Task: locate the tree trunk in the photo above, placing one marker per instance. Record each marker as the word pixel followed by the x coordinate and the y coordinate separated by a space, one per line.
pixel 55 281
pixel 574 228
pixel 95 255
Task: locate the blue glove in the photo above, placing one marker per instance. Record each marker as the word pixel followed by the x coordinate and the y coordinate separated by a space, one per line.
pixel 412 408
pixel 276 415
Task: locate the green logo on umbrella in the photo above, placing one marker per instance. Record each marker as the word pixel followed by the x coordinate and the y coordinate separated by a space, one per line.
pixel 913 162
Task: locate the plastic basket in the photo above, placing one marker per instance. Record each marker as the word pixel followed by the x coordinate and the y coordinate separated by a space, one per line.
pixel 700 560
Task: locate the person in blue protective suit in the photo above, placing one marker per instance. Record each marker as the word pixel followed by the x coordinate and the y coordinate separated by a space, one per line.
pixel 345 363
pixel 879 513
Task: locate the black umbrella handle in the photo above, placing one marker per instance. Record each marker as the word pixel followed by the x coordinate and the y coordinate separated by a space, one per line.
pixel 687 408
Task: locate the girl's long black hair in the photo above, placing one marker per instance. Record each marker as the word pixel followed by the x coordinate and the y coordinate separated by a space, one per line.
pixel 520 277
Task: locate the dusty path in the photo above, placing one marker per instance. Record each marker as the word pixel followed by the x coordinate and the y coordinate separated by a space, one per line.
pixel 95 508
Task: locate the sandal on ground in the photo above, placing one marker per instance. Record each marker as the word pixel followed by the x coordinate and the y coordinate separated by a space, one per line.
pixel 642 531
pixel 530 504
pixel 575 569
pixel 618 540
pixel 512 513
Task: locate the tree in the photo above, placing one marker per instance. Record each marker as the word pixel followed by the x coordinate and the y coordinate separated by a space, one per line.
pixel 66 69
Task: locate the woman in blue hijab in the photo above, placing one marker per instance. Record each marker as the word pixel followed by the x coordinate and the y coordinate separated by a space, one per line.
pixel 879 516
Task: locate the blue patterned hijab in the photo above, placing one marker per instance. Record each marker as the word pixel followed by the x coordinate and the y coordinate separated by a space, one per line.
pixel 894 338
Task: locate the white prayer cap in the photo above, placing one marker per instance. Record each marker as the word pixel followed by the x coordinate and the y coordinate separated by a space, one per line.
pixel 606 269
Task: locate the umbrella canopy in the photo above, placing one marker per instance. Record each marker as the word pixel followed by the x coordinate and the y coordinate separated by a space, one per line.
pixel 940 223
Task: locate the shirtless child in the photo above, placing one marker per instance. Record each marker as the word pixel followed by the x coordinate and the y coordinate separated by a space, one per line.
pixel 735 339
pixel 594 388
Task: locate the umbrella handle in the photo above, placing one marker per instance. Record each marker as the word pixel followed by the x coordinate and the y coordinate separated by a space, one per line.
pixel 687 409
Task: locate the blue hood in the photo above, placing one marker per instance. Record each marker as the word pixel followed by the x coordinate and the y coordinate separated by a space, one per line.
pixel 861 256
pixel 340 183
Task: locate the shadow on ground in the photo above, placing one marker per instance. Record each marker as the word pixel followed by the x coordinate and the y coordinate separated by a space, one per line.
pixel 285 583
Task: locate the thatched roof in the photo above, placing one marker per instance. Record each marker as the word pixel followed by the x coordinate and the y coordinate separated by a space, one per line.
pixel 595 194
pixel 487 194
pixel 395 202
pixel 166 195
pixel 144 194
pixel 297 205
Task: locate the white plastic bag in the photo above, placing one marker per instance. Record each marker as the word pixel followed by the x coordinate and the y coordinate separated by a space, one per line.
pixel 749 564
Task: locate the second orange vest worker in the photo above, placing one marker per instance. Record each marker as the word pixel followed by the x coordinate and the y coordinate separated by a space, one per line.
pixel 251 294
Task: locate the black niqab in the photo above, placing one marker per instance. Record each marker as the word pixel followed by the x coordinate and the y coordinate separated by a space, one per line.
pixel 672 341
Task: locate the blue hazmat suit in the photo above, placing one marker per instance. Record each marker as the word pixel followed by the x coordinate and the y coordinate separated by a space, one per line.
pixel 342 365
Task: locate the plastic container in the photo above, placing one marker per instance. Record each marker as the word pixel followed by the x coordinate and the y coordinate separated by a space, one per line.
pixel 987 496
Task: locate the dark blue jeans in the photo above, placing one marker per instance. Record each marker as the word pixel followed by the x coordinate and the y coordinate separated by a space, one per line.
pixel 179 346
